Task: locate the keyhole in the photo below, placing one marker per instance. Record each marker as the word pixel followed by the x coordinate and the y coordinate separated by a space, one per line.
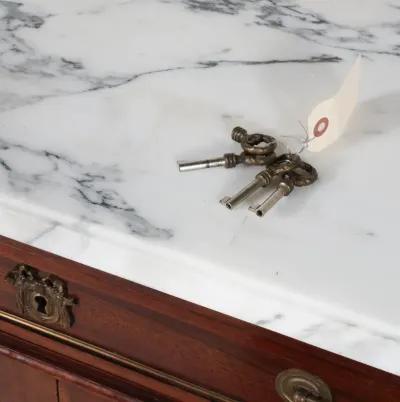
pixel 41 304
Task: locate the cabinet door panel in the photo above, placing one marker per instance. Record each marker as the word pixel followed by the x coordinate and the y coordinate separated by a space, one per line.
pixel 69 392
pixel 22 383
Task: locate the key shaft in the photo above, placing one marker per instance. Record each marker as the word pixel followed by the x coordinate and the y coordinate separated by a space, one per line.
pixel 284 188
pixel 203 164
pixel 261 180
pixel 227 161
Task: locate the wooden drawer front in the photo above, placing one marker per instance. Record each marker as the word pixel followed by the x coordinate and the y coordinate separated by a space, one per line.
pixel 55 364
pixel 236 360
pixel 73 393
pixel 21 383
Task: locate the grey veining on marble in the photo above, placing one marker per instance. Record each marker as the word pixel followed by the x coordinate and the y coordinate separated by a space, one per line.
pixel 20 59
pixel 100 98
pixel 29 171
pixel 300 19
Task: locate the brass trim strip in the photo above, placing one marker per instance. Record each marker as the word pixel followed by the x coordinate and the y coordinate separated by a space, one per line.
pixel 116 358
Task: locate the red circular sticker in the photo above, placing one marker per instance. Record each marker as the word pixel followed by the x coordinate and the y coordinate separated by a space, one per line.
pixel 321 126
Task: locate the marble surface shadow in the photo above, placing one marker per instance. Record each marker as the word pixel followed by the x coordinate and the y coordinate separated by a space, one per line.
pixel 377 116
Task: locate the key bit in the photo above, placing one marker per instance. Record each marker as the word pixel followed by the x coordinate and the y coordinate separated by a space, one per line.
pixel 302 175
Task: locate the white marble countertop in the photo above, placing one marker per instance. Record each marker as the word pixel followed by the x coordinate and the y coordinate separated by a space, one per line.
pixel 100 98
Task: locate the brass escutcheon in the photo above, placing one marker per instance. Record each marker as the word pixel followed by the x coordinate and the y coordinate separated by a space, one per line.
pixel 42 297
pixel 296 385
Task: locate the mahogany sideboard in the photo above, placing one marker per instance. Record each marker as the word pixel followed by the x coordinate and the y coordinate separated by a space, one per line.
pixel 71 333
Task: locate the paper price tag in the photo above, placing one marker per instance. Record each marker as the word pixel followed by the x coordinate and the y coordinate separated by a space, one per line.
pixel 327 121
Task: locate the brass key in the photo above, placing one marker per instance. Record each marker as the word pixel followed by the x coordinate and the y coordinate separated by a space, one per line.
pixel 280 165
pixel 302 175
pixel 261 180
pixel 258 150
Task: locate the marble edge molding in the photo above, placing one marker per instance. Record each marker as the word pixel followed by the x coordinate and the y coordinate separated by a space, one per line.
pixel 185 267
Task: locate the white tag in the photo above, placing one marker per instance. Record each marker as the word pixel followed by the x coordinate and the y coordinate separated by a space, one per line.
pixel 327 121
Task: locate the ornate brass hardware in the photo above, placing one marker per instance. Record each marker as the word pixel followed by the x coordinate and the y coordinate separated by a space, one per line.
pixel 258 150
pixel 42 297
pixel 299 386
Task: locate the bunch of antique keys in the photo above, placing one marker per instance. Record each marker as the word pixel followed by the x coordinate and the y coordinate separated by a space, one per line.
pixel 285 171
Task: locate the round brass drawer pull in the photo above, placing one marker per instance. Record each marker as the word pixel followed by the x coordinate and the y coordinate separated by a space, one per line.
pixel 295 385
